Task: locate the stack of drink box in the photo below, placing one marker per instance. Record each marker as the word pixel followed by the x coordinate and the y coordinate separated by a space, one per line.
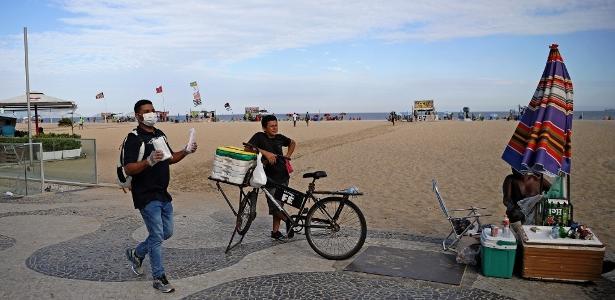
pixel 556 212
pixel 231 164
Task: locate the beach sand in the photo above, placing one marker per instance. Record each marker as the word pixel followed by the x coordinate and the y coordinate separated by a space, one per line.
pixel 393 165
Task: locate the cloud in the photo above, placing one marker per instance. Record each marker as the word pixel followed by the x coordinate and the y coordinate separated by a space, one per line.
pixel 130 34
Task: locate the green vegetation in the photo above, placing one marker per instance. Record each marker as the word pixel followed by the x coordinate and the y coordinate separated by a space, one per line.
pixel 19 133
pixel 51 142
pixel 65 122
pixel 59 135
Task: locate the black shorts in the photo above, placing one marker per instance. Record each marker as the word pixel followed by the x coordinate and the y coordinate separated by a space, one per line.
pixel 272 189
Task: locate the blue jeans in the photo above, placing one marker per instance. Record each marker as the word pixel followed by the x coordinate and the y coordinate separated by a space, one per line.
pixel 158 218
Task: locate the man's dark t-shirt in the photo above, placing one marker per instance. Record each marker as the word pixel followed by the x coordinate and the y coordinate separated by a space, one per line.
pixel 277 172
pixel 151 184
pixel 511 189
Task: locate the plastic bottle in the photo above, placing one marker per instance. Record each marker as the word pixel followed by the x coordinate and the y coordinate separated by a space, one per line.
pixel 506 227
pixel 565 214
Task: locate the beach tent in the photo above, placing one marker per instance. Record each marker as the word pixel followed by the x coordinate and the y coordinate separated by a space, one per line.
pixel 38 101
pixel 541 141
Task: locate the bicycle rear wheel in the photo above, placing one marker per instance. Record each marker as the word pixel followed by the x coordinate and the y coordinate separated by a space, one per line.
pixel 335 228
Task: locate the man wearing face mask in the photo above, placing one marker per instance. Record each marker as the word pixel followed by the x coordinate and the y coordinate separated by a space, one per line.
pixel 150 179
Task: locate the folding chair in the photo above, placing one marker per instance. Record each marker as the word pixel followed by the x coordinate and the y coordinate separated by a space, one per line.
pixel 460 226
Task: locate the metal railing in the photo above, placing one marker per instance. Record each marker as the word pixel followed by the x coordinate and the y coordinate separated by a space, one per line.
pixel 21 172
pixel 24 168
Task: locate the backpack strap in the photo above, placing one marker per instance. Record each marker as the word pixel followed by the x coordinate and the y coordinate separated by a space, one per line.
pixel 142 148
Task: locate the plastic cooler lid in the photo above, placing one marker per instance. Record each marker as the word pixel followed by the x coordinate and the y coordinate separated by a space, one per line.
pixel 236 153
pixel 498 242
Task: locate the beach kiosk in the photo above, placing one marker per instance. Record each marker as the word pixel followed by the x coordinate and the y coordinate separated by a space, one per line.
pixel 541 144
pixel 7 125
pixel 253 113
pixel 424 110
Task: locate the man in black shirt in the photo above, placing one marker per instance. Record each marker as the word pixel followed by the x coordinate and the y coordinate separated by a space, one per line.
pixel 270 143
pixel 150 179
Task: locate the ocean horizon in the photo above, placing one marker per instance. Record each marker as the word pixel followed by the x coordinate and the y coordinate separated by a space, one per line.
pixel 367 116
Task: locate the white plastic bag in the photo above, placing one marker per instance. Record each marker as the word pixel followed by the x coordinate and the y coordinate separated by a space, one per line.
pixel 528 207
pixel 259 178
pixel 160 143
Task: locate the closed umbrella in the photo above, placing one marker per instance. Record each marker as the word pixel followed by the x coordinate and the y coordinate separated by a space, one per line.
pixel 541 142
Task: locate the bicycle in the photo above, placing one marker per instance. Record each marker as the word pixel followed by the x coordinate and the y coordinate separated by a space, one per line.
pixel 334 226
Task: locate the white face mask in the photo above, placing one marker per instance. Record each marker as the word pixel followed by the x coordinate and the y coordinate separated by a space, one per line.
pixel 150 119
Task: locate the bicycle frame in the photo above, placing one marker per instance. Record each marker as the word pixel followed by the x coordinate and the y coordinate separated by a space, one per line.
pixel 327 222
pixel 309 194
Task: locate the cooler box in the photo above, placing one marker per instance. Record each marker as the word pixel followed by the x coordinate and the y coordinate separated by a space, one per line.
pixel 497 254
pixel 560 259
pixel 232 164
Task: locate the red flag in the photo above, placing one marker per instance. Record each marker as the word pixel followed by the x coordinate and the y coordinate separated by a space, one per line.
pixel 159 90
pixel 100 95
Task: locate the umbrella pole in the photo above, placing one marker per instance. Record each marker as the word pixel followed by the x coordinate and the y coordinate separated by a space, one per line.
pixel 568 196
pixel 36 118
pixel 72 125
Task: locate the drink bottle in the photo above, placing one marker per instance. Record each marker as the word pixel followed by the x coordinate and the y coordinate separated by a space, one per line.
pixel 506 227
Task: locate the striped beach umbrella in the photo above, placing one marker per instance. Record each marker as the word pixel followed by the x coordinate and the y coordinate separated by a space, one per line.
pixel 541 142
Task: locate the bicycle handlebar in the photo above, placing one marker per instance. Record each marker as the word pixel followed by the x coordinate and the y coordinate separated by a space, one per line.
pixel 258 150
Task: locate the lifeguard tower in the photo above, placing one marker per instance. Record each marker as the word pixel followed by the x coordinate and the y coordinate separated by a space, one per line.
pixel 424 110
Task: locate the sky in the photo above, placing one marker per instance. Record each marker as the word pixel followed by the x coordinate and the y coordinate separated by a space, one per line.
pixel 298 56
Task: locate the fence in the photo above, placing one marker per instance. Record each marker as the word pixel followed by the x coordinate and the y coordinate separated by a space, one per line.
pixel 21 173
pixel 72 166
pixel 25 174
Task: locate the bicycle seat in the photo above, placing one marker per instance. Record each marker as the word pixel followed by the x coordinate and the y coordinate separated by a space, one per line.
pixel 315 175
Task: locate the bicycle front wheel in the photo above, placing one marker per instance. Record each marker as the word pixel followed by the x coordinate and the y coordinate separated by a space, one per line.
pixel 335 228
pixel 245 213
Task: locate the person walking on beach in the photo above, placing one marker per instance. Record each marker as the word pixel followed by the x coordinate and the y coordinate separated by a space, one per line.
pixel 307 119
pixel 392 117
pixel 295 119
pixel 150 180
pixel 269 142
pixel 81 123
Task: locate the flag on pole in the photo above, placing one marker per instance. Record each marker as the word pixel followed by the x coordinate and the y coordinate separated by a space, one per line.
pixel 193 84
pixel 100 95
pixel 159 90
pixel 197 98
